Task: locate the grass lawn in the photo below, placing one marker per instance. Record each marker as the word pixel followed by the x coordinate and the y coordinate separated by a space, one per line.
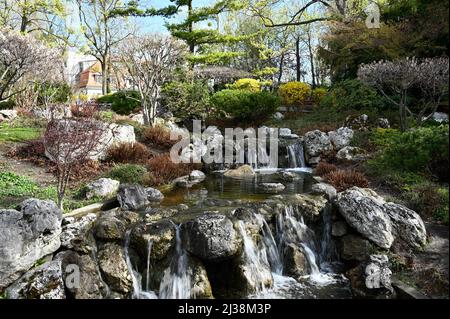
pixel 10 133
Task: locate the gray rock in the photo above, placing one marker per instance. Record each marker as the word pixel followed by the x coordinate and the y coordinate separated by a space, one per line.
pixel 378 274
pixel 243 171
pixel 132 197
pixel 338 229
pixel 197 176
pixel 102 188
pixel 351 153
pixel 43 282
pixel 288 176
pixel 383 123
pixel 27 236
pixel 278 116
pixel 316 143
pixel 295 263
pixel 112 225
pixel 324 189
pixel 91 285
pixel 407 225
pixel 352 247
pixel 73 233
pixel 8 114
pixel 154 195
pixel 440 117
pixel 201 287
pixel 160 235
pixel 380 221
pixel 341 137
pixel 112 262
pixel 364 210
pixel 211 237
pixel 271 187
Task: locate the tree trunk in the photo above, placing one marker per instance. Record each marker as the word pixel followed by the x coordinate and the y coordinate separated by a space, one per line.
pixel 280 75
pixel 298 60
pixel 311 60
pixel 105 72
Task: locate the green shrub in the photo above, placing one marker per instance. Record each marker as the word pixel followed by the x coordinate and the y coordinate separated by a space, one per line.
pixel 294 93
pixel 251 85
pixel 128 173
pixel 353 94
pixel 417 150
pixel 245 105
pixel 7 105
pixel 122 102
pixel 318 94
pixel 186 100
pixel 57 92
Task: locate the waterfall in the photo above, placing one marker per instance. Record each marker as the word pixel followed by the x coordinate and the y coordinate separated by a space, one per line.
pixel 136 278
pixel 259 158
pixel 255 260
pixel 296 156
pixel 149 251
pixel 176 281
pixel 271 249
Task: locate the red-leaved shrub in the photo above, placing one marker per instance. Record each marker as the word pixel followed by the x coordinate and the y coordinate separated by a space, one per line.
pixel 162 170
pixel 158 136
pixel 134 153
pixel 344 179
pixel 323 168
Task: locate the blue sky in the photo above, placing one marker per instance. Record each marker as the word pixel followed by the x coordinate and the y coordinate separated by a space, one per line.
pixel 156 24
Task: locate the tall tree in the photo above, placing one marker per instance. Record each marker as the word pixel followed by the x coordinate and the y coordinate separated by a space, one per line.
pixel 199 26
pixel 103 28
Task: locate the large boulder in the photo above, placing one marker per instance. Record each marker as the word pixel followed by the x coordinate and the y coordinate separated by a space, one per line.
pixel 159 237
pixel 363 210
pixel 102 188
pixel 74 232
pixel 407 224
pixel 27 236
pixel 243 171
pixel 211 237
pixel 354 247
pixel 380 221
pixel 89 284
pixel 113 265
pixel 8 115
pixel 133 197
pixel 112 225
pixel 316 143
pixel 295 263
pixel 341 137
pixel 43 282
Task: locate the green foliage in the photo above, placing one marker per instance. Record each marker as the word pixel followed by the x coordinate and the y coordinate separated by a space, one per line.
pixel 251 85
pixel 122 102
pixel 352 94
pixel 128 173
pixel 9 132
pixel 187 100
pixel 14 188
pixel 7 105
pixel 417 150
pixel 245 105
pixel 53 92
pixel 318 94
pixel 294 93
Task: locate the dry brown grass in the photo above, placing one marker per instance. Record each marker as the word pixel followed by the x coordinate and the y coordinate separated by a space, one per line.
pixel 324 168
pixel 158 136
pixel 162 170
pixel 135 153
pixel 344 179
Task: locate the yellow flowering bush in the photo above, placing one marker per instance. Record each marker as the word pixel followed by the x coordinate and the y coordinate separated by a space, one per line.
pixel 251 85
pixel 294 93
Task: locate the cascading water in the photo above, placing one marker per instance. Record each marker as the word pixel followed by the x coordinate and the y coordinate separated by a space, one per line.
pixel 296 156
pixel 256 263
pixel 138 292
pixel 272 252
pixel 176 281
pixel 149 252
